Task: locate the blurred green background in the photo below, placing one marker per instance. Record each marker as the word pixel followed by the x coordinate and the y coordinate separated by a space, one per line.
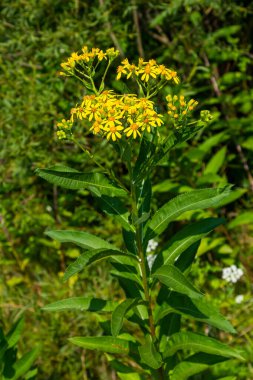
pixel 209 43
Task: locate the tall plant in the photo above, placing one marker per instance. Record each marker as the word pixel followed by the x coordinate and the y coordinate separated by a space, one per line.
pixel 157 289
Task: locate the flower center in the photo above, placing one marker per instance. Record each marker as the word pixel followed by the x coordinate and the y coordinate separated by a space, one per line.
pixel 113 129
pixel 134 126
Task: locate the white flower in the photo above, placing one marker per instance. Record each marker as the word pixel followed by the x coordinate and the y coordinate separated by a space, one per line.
pixel 48 208
pixel 239 298
pixel 232 274
pixel 151 260
pixel 152 244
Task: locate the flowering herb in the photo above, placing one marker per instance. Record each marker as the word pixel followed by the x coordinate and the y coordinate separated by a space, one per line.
pixel 157 291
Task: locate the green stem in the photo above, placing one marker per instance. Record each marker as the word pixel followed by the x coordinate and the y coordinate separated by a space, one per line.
pixel 142 257
pixel 103 78
pixel 104 169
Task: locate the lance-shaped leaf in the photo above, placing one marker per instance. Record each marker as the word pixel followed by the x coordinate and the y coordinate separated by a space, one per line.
pixel 184 239
pixel 76 181
pixel 82 304
pixel 199 309
pixel 80 238
pixel 198 343
pixel 22 365
pixel 171 276
pixel 149 355
pixel 194 200
pixel 120 312
pixel 195 364
pixel 14 334
pixel 90 257
pixel 107 344
pixel 114 207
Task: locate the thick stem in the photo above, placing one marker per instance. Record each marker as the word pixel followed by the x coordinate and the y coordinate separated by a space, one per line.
pixel 143 267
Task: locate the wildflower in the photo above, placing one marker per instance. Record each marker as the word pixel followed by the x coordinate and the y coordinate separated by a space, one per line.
pixel 61 135
pixel 232 274
pixel 152 245
pixel 113 132
pixel 120 70
pixel 133 129
pixel 96 127
pixel 65 124
pixel 101 55
pixel 239 298
pixel 148 71
pixel 151 259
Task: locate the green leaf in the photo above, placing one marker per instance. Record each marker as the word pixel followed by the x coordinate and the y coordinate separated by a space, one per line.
pixel 82 304
pixel 14 334
pixel 199 309
pixel 244 218
pixel 171 276
pixel 194 200
pixel 216 162
pixel 80 238
pixel 114 207
pixel 119 313
pixel 107 344
pixel 90 257
pixel 198 343
pixel 195 364
pixel 184 239
pixel 23 364
pixel 149 355
pixel 76 180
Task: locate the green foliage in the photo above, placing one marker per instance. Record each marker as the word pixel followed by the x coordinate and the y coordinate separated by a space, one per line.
pixel 210 44
pixel 12 366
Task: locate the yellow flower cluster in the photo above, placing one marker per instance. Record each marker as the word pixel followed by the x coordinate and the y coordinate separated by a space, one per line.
pixel 112 115
pixel 178 107
pixel 64 127
pixel 146 71
pixel 88 56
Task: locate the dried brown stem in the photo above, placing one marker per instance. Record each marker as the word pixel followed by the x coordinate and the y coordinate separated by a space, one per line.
pixel 109 28
pixel 138 30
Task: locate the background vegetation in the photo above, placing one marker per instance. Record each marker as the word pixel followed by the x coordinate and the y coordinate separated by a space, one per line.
pixel 209 44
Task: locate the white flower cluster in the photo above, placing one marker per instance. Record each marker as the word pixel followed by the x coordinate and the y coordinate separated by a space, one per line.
pixel 232 274
pixel 152 244
pixel 151 260
pixel 239 298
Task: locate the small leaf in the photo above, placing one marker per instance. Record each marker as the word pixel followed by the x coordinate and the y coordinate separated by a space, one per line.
pixel 107 344
pixel 90 257
pixel 23 364
pixel 171 276
pixel 198 343
pixel 14 334
pixel 195 364
pixel 80 238
pixel 76 180
pixel 82 303
pixel 216 162
pixel 119 313
pixel 149 355
pixel 194 200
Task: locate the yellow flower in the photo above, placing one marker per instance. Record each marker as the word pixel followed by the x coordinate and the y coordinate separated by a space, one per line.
pixel 120 70
pixel 113 132
pixel 148 121
pixel 112 121
pixel 61 135
pixel 96 127
pixel 147 71
pixel 133 129
pixel 101 55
